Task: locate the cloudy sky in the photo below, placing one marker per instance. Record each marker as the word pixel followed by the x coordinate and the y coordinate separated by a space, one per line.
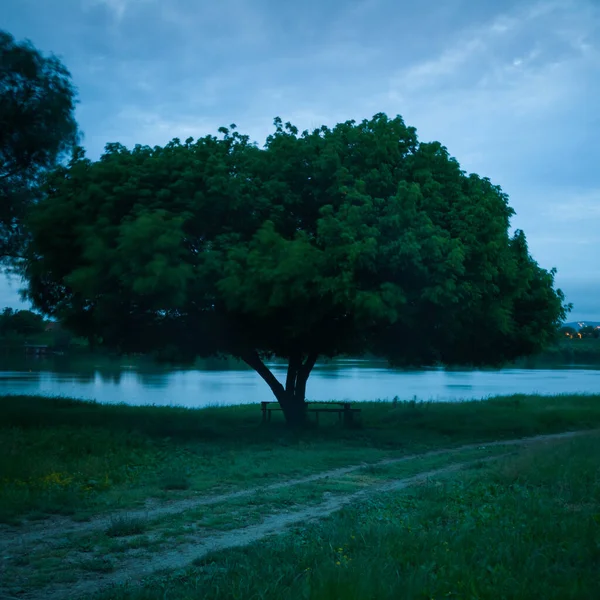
pixel 511 87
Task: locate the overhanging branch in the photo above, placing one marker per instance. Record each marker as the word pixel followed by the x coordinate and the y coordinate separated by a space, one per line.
pixel 253 360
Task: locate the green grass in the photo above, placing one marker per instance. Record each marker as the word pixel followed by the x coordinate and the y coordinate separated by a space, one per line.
pixel 526 527
pixel 178 479
pixel 97 565
pixel 125 526
pixel 70 457
pixel 103 550
pixel 492 531
pixel 248 510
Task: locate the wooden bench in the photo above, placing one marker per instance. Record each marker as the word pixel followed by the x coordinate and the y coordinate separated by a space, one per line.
pixel 344 410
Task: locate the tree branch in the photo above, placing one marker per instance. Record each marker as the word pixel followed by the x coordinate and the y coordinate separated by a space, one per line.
pixel 308 364
pixel 303 374
pixel 294 366
pixel 253 360
pixel 13 255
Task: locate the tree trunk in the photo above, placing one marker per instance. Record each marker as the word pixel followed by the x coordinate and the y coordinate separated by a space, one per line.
pixel 291 398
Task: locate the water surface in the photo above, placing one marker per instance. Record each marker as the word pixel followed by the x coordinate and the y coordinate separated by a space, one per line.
pixel 228 382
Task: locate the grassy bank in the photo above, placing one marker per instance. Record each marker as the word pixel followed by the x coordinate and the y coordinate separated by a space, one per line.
pixel 526 527
pixel 80 458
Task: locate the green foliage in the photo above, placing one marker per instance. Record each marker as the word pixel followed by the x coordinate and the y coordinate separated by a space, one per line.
pixel 20 327
pixel 21 322
pixel 348 240
pixel 585 351
pixel 37 128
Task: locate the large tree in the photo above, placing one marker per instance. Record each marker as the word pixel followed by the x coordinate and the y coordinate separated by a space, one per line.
pixel 348 240
pixel 37 128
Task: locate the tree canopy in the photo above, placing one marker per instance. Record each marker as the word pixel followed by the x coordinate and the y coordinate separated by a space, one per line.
pixel 37 128
pixel 21 322
pixel 345 240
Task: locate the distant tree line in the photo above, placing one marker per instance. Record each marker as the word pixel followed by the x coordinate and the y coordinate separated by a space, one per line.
pixel 23 323
pixel 24 327
pixel 572 347
pixel 587 332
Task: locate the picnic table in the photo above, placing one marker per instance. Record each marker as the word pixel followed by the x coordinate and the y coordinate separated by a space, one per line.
pixel 344 410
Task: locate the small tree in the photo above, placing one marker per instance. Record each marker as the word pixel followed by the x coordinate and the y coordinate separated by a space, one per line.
pixel 588 331
pixel 37 128
pixel 341 241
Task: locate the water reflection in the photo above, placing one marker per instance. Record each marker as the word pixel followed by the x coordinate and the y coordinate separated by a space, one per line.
pixel 216 382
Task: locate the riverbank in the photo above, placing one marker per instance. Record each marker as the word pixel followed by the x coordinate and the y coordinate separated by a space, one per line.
pixel 565 353
pixel 123 488
pixel 73 457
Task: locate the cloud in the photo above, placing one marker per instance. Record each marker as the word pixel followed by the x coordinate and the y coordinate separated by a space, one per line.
pixel 513 58
pixel 576 207
pixel 511 98
pixel 117 8
pixel 10 292
pixel 507 86
pixel 222 24
pixel 154 128
pixel 585 296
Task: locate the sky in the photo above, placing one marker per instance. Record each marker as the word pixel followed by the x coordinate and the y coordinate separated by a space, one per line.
pixel 510 87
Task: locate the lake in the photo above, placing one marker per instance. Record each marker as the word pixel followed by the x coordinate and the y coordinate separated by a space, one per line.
pixel 227 382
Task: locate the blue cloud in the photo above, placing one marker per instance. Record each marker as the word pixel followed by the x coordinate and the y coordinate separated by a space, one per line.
pixel 507 86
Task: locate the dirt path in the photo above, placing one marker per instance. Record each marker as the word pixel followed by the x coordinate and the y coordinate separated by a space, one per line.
pixel 59 527
pixel 132 567
pixel 132 570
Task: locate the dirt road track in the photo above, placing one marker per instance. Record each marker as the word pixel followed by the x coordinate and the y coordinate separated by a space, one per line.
pixel 133 568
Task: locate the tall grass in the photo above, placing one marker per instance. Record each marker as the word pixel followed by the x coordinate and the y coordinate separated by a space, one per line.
pixel 69 456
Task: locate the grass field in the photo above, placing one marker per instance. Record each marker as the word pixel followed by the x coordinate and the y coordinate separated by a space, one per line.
pixel 527 527
pixel 64 456
pixel 92 495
